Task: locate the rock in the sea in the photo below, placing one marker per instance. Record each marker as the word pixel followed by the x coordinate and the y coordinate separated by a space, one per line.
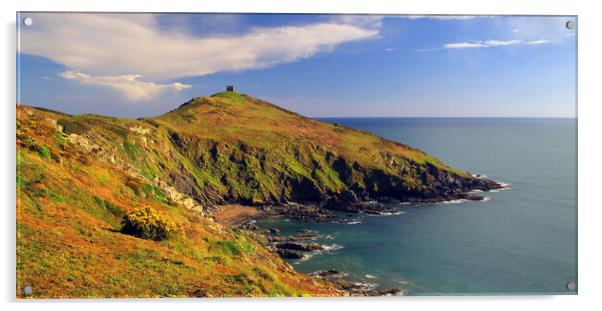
pixel 304 247
pixel 308 213
pixel 289 254
pixel 354 288
pixel 303 235
pixel 325 274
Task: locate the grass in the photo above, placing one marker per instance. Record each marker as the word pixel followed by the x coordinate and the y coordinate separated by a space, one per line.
pixel 297 148
pixel 71 126
pixel 132 150
pixel 228 247
pixel 232 97
pixel 44 152
pixel 69 217
pixel 228 147
pixel 58 136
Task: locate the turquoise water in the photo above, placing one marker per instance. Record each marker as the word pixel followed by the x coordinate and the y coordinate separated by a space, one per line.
pixel 521 241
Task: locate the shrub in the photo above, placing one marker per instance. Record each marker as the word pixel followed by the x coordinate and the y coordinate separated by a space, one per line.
pixel 147 223
pixel 44 152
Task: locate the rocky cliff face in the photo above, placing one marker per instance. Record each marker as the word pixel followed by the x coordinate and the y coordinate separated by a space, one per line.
pixel 240 149
pixel 234 148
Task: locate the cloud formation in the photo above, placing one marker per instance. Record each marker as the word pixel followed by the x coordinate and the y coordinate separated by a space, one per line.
pixel 444 17
pixel 115 50
pixel 492 43
pixel 129 86
pixel 535 42
pixel 518 31
pixel 480 44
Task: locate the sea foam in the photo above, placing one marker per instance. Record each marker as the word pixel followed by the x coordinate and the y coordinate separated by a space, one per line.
pixel 457 201
pixel 332 247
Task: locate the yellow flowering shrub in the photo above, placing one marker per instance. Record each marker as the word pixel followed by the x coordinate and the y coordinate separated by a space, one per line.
pixel 147 223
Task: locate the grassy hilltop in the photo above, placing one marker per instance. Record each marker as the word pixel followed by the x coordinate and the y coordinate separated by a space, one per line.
pixel 238 148
pixel 78 176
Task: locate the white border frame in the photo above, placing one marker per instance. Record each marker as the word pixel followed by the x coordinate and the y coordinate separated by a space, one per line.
pixel 589 24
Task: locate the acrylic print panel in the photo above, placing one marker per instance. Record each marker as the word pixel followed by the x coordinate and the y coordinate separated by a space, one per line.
pixel 255 155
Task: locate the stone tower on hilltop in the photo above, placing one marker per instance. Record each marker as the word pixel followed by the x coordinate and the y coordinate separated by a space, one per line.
pixel 230 88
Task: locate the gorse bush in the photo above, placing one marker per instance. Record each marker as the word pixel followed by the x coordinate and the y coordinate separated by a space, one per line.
pixel 147 223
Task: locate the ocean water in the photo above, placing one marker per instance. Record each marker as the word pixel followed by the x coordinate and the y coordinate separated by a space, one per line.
pixel 521 241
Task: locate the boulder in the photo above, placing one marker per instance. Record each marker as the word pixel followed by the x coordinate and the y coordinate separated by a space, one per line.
pixel 289 254
pixel 304 247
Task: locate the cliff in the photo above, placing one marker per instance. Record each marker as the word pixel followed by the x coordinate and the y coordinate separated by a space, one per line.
pixel 77 176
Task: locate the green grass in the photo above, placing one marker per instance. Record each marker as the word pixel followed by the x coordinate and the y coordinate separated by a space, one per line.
pixel 20 181
pixel 44 152
pixel 228 247
pixel 56 197
pixel 155 193
pixel 159 195
pixel 132 150
pixel 231 97
pixel 109 207
pixel 58 136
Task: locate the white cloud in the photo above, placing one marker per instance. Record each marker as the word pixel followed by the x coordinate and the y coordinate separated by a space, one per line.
pixel 390 49
pixel 444 17
pixel 522 31
pixel 129 86
pixel 535 42
pixel 534 27
pixel 480 44
pixel 493 43
pixel 501 42
pixel 122 44
pixel 370 21
pixel 463 45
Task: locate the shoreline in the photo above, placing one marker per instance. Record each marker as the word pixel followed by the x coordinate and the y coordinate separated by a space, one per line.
pixel 301 246
pixel 297 246
pixel 325 211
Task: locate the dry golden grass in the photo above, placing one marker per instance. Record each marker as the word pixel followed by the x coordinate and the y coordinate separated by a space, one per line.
pixel 69 243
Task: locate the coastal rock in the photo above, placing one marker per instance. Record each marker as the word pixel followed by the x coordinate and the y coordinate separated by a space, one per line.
pixel 304 247
pixel 289 254
pixel 354 288
pixel 330 273
pixel 301 236
pixel 302 212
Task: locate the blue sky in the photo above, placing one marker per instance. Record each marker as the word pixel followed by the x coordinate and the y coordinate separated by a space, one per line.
pixel 142 65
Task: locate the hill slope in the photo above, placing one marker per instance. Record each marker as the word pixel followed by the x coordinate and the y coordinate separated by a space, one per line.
pixel 78 175
pixel 238 148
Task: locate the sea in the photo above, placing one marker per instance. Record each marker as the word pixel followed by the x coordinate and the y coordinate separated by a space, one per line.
pixel 522 240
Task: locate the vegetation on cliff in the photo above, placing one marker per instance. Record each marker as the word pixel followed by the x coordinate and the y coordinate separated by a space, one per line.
pixel 235 148
pixel 73 194
pixel 81 178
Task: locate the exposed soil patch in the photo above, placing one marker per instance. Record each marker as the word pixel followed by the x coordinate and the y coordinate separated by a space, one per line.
pixel 234 214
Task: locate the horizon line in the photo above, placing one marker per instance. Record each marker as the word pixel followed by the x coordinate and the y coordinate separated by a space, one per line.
pixel 334 117
pixel 444 117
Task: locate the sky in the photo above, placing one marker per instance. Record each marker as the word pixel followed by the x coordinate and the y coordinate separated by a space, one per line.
pixel 143 65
